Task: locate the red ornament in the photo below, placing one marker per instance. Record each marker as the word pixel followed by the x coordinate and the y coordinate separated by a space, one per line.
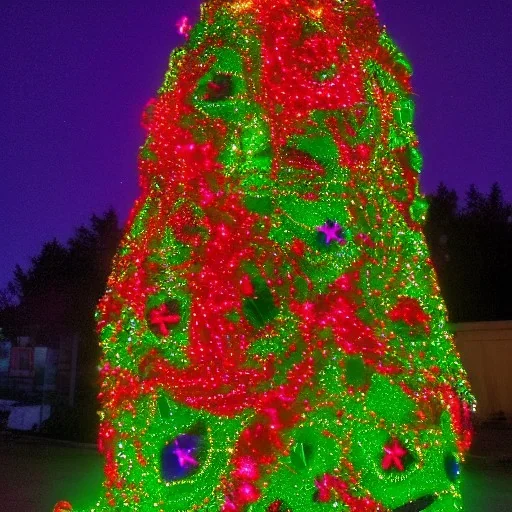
pixel 275 506
pixel 247 493
pixel 247 469
pixel 298 247
pixel 220 88
pixel 229 506
pixel 408 310
pixel 162 318
pixel 329 486
pixel 393 456
pixel 62 506
pixel 246 286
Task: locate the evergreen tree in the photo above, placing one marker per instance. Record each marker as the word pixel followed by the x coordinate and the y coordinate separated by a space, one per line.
pixel 273 335
pixel 56 297
pixel 59 291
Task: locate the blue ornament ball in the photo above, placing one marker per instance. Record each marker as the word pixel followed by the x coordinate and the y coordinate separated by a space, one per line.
pixel 452 467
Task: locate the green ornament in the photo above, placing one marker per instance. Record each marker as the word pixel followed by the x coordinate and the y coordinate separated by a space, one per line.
pixel 260 309
pixel 262 205
pixel 356 372
pixel 301 455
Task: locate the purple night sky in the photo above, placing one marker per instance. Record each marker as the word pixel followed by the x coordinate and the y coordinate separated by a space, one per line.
pixel 76 76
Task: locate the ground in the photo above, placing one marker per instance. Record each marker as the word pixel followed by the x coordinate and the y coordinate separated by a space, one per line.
pixel 37 473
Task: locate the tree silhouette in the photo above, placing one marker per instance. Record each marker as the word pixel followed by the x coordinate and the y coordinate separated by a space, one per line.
pixel 471 248
pixel 55 298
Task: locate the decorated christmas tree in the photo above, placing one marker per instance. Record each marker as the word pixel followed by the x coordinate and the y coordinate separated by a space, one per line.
pixel 273 335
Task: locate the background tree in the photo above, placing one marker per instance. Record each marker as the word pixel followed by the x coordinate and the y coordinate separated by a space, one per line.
pixel 56 296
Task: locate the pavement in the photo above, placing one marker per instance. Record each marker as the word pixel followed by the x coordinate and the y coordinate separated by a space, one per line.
pixel 36 473
pixel 493 441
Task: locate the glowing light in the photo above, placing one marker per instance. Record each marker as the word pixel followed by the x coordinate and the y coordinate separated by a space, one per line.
pixel 184 26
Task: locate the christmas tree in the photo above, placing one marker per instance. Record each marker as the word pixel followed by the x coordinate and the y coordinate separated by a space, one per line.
pixel 273 334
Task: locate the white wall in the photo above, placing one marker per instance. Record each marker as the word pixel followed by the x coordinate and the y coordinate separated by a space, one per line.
pixel 486 352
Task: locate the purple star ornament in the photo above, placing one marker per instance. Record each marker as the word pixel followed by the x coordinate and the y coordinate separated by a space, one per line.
pixel 332 232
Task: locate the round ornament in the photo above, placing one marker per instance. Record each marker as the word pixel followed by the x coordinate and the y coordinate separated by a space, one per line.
pixel 452 467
